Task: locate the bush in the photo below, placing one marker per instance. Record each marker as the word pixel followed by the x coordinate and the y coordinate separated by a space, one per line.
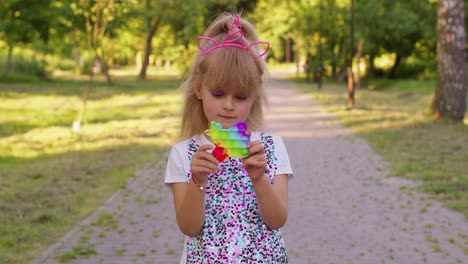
pixel 57 63
pixel 27 62
pixel 417 70
pixel 421 70
pixel 29 65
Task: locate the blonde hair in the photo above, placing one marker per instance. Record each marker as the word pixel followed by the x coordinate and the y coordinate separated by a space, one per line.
pixel 228 69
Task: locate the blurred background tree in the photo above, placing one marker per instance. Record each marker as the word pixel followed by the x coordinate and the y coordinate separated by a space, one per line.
pixel 389 39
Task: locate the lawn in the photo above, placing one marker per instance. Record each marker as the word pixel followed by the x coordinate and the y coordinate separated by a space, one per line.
pixel 51 177
pixel 394 117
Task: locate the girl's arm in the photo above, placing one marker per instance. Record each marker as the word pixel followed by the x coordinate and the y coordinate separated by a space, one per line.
pixel 189 199
pixel 189 203
pixel 272 200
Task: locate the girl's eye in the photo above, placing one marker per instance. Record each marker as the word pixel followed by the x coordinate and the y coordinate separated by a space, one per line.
pixel 217 93
pixel 242 97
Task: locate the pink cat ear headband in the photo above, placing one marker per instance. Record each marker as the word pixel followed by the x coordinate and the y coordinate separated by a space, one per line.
pixel 234 34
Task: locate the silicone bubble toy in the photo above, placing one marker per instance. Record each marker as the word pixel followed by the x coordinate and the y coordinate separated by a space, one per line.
pixel 230 142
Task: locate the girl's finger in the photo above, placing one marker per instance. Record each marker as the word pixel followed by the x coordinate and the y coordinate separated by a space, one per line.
pixel 205 147
pixel 202 151
pixel 257 149
pixel 255 163
pixel 253 143
pixel 205 164
pixel 201 169
pixel 206 157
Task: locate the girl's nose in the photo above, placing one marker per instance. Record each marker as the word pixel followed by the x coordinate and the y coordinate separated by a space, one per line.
pixel 228 102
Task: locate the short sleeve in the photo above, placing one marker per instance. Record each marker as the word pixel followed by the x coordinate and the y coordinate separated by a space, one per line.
pixel 282 156
pixel 176 170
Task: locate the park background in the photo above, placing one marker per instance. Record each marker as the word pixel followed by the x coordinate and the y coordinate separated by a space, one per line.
pixel 89 94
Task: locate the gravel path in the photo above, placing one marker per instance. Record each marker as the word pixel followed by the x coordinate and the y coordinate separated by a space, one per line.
pixel 343 207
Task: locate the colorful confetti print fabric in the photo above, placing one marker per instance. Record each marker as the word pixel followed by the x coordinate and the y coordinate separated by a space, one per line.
pixel 233 231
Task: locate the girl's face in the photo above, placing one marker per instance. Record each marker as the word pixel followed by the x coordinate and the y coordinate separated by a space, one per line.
pixel 226 108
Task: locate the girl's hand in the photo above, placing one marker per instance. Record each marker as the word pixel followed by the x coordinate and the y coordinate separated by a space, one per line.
pixel 255 164
pixel 203 163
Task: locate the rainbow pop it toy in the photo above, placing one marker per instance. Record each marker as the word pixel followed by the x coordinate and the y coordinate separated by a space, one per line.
pixel 230 142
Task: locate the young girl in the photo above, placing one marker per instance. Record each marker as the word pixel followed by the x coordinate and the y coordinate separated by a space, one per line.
pixel 230 211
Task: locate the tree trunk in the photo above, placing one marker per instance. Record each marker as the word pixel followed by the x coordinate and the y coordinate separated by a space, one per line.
pixel 77 124
pixel 342 73
pixel 296 55
pixel 450 94
pixel 336 54
pixel 145 63
pixel 351 90
pixel 288 47
pixel 371 65
pixel 187 58
pixel 7 66
pixel 358 59
pixel 152 28
pixel 319 67
pixel 105 69
pixel 392 73
pixel 342 53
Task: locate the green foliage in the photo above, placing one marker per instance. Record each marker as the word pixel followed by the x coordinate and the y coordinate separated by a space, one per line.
pixel 275 24
pixel 21 22
pixel 388 31
pixel 25 64
pixel 405 28
pixel 389 34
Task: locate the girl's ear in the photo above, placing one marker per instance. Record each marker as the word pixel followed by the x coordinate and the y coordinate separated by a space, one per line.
pixel 197 92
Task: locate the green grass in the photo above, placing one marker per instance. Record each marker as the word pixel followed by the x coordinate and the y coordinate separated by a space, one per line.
pixel 50 177
pixel 394 117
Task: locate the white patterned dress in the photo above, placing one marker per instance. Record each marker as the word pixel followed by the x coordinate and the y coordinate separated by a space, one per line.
pixel 233 231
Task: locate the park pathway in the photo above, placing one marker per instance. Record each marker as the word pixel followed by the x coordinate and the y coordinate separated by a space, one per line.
pixel 342 209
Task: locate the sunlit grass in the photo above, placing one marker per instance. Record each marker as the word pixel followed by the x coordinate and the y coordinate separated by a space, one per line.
pixel 50 177
pixel 129 72
pixel 394 117
pixel 281 66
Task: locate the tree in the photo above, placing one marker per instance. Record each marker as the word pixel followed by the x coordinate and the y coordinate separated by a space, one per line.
pixel 282 17
pixel 351 90
pixel 320 32
pixel 154 17
pixel 389 35
pixel 450 94
pixel 97 16
pixel 99 22
pixel 21 24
